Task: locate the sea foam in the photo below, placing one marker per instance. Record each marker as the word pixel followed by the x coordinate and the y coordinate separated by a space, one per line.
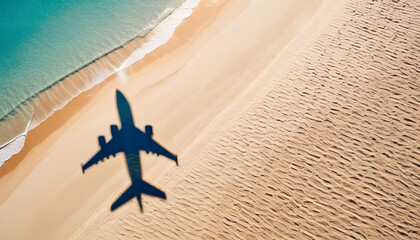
pixel 38 108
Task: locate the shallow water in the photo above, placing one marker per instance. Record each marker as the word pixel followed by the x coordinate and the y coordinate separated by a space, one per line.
pixel 42 42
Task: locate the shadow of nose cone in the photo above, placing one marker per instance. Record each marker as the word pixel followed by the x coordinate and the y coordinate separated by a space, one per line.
pixel 124 110
pixel 122 103
pixel 120 96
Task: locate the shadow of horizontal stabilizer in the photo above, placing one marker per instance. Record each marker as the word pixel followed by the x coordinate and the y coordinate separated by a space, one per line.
pixel 135 190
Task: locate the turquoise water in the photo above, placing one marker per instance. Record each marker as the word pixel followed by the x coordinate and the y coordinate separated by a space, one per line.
pixel 44 41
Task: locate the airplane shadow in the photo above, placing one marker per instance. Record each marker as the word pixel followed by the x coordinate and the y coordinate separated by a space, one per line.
pixel 130 140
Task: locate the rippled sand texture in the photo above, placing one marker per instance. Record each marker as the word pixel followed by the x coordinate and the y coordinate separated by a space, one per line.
pixel 326 148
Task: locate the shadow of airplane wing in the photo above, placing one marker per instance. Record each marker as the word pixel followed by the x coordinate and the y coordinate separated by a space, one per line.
pixel 136 189
pixel 111 148
pixel 155 147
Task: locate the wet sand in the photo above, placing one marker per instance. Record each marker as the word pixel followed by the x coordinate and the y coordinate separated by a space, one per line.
pixel 306 128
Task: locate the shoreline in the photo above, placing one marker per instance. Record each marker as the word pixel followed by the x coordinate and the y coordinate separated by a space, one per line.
pixel 37 108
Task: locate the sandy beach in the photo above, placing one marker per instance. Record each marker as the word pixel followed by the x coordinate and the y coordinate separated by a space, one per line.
pixel 291 120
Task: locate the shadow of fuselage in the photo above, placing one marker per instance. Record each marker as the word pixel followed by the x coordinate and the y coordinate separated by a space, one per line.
pixel 130 140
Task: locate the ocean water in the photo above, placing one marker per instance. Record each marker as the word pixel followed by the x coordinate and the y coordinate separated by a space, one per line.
pixel 45 43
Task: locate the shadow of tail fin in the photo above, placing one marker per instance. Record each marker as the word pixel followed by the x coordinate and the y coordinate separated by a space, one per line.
pixel 135 190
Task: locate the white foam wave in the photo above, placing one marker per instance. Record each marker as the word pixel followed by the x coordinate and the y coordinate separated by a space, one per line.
pixel 161 33
pixel 12 147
